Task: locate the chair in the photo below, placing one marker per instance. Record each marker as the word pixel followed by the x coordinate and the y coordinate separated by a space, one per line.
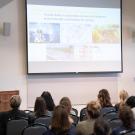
pixel 74 111
pixel 35 129
pixel 46 120
pixel 15 127
pixel 114 123
pixel 29 112
pixel 128 132
pixel 83 114
pixel 75 118
pixel 110 115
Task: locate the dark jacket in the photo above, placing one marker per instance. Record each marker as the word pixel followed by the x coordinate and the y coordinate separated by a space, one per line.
pixel 71 131
pixel 120 130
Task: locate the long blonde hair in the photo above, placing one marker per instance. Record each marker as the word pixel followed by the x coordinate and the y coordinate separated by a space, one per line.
pixel 123 95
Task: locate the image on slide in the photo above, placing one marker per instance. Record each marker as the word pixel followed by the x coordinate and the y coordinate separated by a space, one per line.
pixel 109 34
pixel 75 41
pixel 44 32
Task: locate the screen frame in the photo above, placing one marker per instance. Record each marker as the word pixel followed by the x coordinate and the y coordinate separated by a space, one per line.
pixel 90 72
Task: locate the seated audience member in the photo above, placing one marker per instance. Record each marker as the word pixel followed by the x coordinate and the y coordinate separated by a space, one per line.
pixel 101 127
pixel 60 123
pixel 15 102
pixel 93 112
pixel 49 102
pixel 126 116
pixel 105 101
pixel 131 103
pixel 123 95
pixel 65 101
pixel 40 107
pixel 104 98
pixel 15 113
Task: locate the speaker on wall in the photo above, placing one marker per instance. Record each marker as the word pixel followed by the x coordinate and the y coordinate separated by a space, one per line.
pixel 6 29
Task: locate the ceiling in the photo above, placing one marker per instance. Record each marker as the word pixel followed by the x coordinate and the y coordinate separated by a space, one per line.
pixel 4 2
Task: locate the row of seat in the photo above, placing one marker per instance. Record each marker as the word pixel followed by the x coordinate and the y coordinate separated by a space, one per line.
pixel 21 127
pixel 111 116
pixel 108 113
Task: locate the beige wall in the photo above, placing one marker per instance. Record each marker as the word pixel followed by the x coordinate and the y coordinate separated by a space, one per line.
pixel 80 88
pixel 126 80
pixel 12 50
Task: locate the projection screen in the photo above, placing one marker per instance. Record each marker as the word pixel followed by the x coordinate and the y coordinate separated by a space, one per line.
pixel 67 36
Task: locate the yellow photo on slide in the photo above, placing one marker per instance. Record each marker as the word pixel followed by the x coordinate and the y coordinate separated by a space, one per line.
pixel 109 34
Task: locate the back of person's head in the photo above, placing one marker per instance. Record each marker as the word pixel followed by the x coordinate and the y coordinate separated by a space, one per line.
pixel 60 121
pixel 104 98
pixel 126 115
pixel 40 107
pixel 65 101
pixel 93 109
pixel 101 127
pixel 123 95
pixel 131 101
pixel 15 101
pixel 49 100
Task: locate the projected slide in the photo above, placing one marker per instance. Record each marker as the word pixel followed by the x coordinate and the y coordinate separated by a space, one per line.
pixel 89 38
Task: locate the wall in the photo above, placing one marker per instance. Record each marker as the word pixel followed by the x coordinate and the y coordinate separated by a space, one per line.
pixel 126 80
pixel 12 50
pixel 80 88
pixel 13 63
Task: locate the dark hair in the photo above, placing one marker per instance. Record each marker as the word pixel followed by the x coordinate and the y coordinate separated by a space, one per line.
pixel 131 101
pixel 101 127
pixel 65 101
pixel 60 122
pixel 40 107
pixel 126 115
pixel 104 98
pixel 93 109
pixel 49 100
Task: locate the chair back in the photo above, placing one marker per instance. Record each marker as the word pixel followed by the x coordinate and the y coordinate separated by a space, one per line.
pixel 44 120
pixel 75 119
pixel 128 132
pixel 35 129
pixel 29 112
pixel 74 111
pixel 110 115
pixel 107 109
pixel 131 133
pixel 15 127
pixel 114 123
pixel 83 114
